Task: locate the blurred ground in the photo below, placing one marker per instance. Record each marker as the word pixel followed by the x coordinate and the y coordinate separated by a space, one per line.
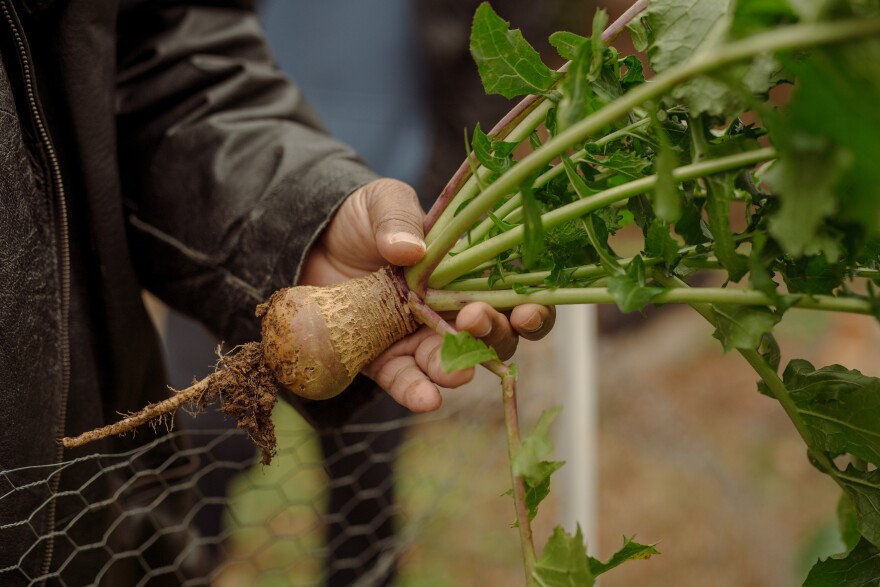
pixel 691 456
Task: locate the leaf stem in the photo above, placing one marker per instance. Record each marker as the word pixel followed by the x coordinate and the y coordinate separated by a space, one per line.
pixel 460 264
pixel 446 300
pixel 514 445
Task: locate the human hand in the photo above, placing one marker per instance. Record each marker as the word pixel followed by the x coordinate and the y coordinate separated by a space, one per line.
pixel 381 223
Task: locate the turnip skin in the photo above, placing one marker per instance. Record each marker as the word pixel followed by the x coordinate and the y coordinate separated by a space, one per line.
pixel 316 340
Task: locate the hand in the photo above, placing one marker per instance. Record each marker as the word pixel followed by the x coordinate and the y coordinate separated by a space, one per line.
pixel 381 223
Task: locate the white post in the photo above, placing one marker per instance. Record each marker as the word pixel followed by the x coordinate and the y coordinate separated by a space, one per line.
pixel 576 483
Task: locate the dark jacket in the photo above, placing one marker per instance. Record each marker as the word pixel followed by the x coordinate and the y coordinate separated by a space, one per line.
pixel 143 144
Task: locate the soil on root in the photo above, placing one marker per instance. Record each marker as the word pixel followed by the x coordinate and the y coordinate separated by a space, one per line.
pixel 243 384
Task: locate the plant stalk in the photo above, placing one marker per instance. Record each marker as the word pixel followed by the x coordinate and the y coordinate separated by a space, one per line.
pixel 443 300
pixel 791 37
pixel 461 263
pixel 516 124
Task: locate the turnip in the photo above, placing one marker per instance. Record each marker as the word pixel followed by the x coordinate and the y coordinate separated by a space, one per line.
pixel 670 156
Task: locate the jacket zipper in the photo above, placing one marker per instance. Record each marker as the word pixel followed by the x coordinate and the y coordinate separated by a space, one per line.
pixel 64 238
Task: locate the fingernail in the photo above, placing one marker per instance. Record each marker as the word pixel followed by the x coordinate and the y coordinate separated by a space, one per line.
pixel 533 323
pixel 408 239
pixel 485 331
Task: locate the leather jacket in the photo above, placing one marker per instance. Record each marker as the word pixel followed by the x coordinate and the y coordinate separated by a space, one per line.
pixel 143 144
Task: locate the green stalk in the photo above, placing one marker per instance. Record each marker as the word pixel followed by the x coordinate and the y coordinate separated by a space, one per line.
pixel 462 263
pixel 791 37
pixel 443 300
pixel 472 186
pixel 515 200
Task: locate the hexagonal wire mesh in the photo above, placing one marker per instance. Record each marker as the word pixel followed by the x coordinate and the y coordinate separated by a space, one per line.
pixel 195 507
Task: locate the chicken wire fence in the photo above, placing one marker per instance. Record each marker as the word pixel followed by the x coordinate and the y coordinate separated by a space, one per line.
pixel 195 507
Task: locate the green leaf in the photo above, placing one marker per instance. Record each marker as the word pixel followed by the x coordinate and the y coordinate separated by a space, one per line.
pixel 536 492
pixel 805 178
pixel 848 522
pixel 533 239
pixel 841 408
pixel 863 488
pixel 529 463
pixel 576 94
pixel 660 243
pixel 634 72
pixel 678 30
pixel 461 351
pixel 812 275
pixel 563 562
pixel 629 291
pixel 567 44
pixel 719 190
pixel 667 203
pixel 499 224
pixel 493 155
pixel 535 446
pixel 600 20
pixel 742 327
pixel 829 161
pixel 638 32
pixel 631 550
pixel 508 65
pixel 753 16
pixel 858 568
pixel 760 277
pixel 681 28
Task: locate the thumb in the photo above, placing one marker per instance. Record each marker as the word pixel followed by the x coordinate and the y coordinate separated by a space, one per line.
pixel 397 221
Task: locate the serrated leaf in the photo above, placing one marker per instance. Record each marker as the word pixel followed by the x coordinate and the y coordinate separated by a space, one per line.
pixel 563 562
pixel 567 44
pixel 507 63
pixel 535 446
pixel 812 275
pixel 462 351
pixel 634 72
pixel 760 277
pixel 575 103
pixel 629 291
pixel 493 155
pixel 840 407
pixel 660 243
pixel 536 492
pixel 804 179
pixel 858 568
pixel 828 168
pixel 631 550
pixel 742 327
pixel 679 29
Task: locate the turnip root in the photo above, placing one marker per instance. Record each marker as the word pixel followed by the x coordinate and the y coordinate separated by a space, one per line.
pixel 315 341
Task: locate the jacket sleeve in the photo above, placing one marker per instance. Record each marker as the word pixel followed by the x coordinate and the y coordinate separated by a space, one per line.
pixel 227 175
